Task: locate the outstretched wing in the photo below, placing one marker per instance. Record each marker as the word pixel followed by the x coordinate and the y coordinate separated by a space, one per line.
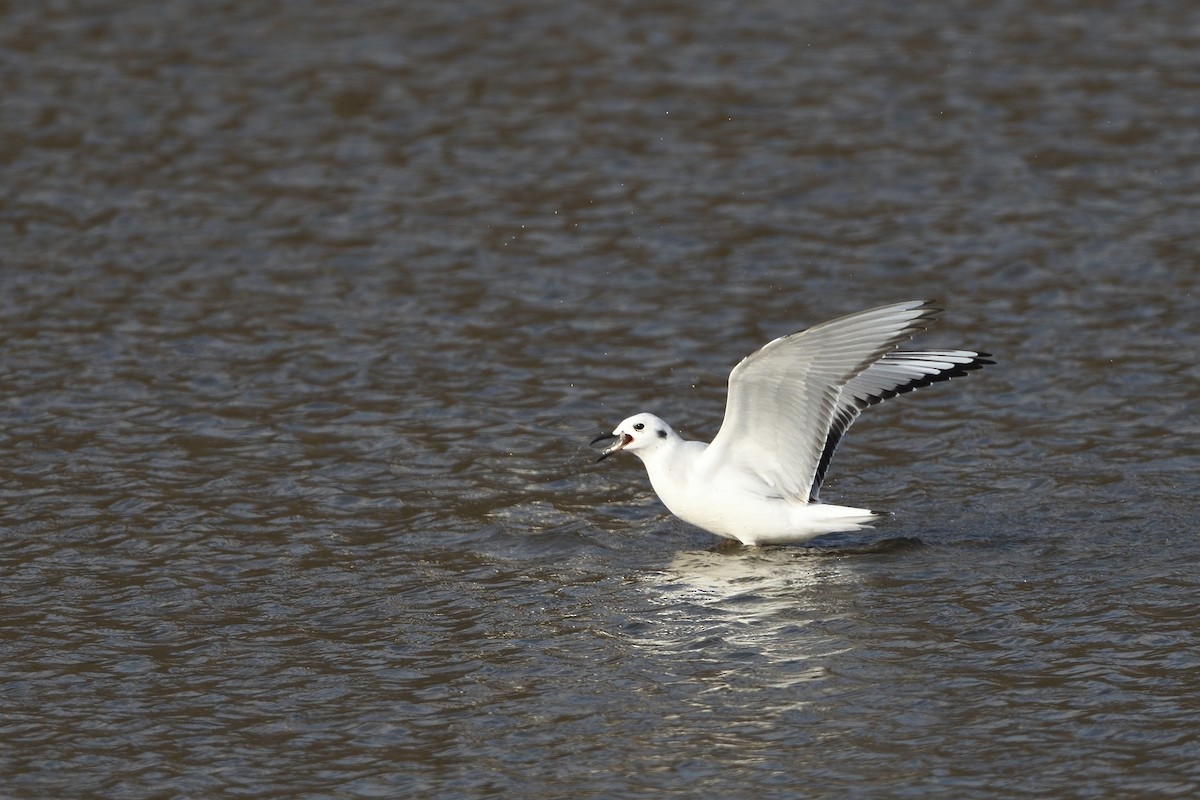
pixel 784 399
pixel 896 373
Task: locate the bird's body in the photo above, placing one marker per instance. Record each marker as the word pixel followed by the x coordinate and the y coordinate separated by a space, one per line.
pixel 789 404
pixel 734 504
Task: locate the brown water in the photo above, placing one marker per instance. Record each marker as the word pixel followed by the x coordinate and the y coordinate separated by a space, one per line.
pixel 309 309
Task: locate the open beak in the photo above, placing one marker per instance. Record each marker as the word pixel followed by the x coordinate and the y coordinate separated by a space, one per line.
pixel 622 440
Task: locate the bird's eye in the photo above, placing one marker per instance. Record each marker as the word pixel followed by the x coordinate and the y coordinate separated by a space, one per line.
pixel 638 426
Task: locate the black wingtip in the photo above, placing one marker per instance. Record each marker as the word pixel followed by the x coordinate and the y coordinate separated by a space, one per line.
pixel 931 311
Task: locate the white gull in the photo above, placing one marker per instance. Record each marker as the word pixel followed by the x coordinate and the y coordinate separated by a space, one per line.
pixel 789 404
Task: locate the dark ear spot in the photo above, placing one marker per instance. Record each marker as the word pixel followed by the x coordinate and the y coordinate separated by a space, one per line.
pixel 662 434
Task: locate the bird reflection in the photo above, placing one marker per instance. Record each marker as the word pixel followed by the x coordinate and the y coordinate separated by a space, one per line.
pixel 762 617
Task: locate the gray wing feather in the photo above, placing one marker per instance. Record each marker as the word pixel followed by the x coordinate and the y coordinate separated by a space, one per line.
pixel 896 373
pixel 786 398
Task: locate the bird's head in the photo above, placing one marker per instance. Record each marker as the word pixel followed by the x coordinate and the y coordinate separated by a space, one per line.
pixel 639 434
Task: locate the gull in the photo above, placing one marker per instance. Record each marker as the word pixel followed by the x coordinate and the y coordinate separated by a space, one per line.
pixel 789 404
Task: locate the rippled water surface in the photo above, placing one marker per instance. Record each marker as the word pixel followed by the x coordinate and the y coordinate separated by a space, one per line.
pixel 309 310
